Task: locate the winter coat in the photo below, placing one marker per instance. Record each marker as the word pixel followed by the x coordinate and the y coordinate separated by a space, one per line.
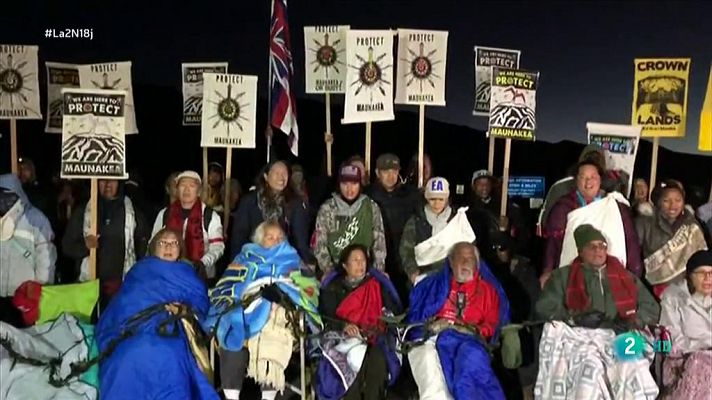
pixel 396 207
pixel 417 230
pixel 684 315
pixel 28 253
pixel 552 301
pixel 556 226
pixel 213 237
pixel 329 219
pixel 295 224
pixel 112 258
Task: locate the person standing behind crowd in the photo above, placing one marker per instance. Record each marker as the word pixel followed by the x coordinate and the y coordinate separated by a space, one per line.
pixel 668 237
pixel 427 221
pixel 349 217
pixel 200 224
pixel 397 203
pixel 122 238
pixel 216 178
pixel 411 178
pixel 37 193
pixel 171 189
pixel 274 200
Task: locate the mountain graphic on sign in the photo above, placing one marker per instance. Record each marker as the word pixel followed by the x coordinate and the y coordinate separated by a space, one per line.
pixel 93 148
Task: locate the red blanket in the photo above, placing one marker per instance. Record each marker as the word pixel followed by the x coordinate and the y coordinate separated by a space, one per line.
pixel 363 307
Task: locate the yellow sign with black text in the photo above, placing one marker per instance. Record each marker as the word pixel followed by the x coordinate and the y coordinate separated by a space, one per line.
pixel 660 96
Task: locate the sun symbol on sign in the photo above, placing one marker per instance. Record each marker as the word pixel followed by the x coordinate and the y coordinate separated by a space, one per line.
pixel 421 66
pixel 12 81
pixel 105 82
pixel 370 73
pixel 327 55
pixel 229 110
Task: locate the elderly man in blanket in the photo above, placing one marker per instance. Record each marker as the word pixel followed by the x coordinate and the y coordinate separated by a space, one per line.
pixel 588 303
pixel 254 311
pixel 461 307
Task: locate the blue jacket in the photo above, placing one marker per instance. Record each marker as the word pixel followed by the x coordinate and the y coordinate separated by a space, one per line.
pixel 29 253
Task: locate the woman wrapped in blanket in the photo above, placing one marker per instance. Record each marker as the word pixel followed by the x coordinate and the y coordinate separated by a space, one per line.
pixel 150 354
pixel 687 314
pixel 359 358
pixel 251 307
pixel 668 237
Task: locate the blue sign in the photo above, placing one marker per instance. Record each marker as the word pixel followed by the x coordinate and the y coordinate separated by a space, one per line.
pixel 527 187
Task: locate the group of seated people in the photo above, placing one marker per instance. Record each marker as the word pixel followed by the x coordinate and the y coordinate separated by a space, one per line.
pixel 455 317
pixel 156 334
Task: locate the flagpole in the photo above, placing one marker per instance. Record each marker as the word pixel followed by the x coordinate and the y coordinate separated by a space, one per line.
pixel 268 130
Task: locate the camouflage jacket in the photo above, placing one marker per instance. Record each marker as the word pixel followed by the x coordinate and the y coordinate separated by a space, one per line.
pixel 330 218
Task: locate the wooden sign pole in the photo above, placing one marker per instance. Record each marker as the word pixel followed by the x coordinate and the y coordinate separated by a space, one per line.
pixel 421 144
pixel 228 176
pixel 490 155
pixel 505 179
pixel 368 148
pixel 654 164
pixel 329 137
pixel 206 187
pixel 13 146
pixel 94 204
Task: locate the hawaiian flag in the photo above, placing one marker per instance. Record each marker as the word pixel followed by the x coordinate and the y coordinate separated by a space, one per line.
pixel 283 99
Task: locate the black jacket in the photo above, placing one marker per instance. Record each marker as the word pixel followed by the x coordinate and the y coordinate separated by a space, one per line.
pixel 295 223
pixel 396 207
pixel 111 251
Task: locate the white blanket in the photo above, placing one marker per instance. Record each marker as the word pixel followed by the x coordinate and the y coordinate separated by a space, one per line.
pixel 44 342
pixel 578 364
pixel 436 248
pixel 605 216
pixel 428 372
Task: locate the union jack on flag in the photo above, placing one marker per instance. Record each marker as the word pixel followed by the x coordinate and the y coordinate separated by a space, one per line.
pixel 283 99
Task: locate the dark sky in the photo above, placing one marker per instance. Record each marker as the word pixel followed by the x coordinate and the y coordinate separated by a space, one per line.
pixel 583 50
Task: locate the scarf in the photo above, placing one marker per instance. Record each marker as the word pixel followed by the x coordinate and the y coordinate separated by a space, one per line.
pixel 623 288
pixel 129 246
pixel 437 221
pixel 357 229
pixel 271 204
pixel 669 261
pixel 193 234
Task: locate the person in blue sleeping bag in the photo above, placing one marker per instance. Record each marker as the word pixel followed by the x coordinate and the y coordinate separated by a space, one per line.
pixel 150 332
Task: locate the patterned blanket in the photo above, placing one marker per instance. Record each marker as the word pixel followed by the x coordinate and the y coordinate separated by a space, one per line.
pixel 578 364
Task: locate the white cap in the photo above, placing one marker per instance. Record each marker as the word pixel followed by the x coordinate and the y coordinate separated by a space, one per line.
pixel 437 188
pixel 189 174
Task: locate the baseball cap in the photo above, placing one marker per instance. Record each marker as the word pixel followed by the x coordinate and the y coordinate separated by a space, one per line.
pixel 349 173
pixel 387 161
pixel 482 173
pixel 189 174
pixel 437 188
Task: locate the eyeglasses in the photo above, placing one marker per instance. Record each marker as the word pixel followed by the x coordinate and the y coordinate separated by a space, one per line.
pixel 167 243
pixel 598 247
pixel 703 274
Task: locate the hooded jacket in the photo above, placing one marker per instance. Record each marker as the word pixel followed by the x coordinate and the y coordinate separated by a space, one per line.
pixel 26 248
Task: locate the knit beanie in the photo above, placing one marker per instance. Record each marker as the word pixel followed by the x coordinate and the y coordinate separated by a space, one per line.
pixel 585 234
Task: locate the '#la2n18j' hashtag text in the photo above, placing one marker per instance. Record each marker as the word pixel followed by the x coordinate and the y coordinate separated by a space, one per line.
pixel 69 33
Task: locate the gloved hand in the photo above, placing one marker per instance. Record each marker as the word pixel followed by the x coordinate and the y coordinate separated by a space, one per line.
pixel 589 319
pixel 272 293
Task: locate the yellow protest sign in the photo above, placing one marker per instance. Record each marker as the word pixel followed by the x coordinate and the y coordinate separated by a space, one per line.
pixel 660 96
pixel 705 143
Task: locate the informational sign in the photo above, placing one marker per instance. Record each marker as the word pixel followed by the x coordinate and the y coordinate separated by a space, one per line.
pixel 660 96
pixel 93 134
pixel 325 58
pixel 229 111
pixel 19 83
pixel 620 146
pixel 59 76
pixel 111 76
pixel 422 58
pixel 369 78
pixel 485 59
pixel 192 77
pixel 527 187
pixel 513 104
